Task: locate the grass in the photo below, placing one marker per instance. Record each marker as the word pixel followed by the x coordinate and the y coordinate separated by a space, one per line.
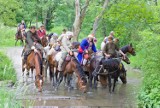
pixel 7 35
pixel 8 99
pixel 7 72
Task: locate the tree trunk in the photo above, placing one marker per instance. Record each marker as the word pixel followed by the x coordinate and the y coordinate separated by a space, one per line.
pixel 156 2
pixel 98 18
pixel 37 20
pixel 30 22
pixel 79 16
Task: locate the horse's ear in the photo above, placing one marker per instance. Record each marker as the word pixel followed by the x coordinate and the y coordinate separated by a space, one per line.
pixel 130 44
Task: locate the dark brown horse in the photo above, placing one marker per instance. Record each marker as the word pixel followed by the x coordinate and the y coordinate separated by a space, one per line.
pixel 34 61
pixel 113 68
pixel 128 49
pixel 20 36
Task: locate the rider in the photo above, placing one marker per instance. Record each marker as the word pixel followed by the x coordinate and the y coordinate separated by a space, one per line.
pixel 110 49
pixel 65 48
pixel 41 32
pixel 106 38
pixel 21 28
pixel 84 47
pixel 32 42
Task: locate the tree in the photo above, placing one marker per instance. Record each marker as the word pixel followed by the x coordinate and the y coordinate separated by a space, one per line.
pixel 98 18
pixel 80 12
pixel 8 10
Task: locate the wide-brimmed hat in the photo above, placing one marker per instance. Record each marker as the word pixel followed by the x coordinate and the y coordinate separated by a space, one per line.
pixel 91 36
pixel 69 33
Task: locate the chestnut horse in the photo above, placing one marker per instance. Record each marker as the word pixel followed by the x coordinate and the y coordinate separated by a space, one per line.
pixel 44 41
pixel 34 61
pixel 74 66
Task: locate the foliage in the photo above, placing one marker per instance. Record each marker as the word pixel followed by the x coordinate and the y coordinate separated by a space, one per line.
pixel 126 18
pixel 148 60
pixel 8 11
pixel 7 35
pixel 7 71
pixel 8 99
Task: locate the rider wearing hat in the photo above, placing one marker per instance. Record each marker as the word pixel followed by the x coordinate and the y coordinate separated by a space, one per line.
pixel 84 47
pixel 65 48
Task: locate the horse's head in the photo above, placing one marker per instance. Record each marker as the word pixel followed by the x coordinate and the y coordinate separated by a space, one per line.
pixel 131 49
pixel 126 59
pixel 44 41
pixel 39 82
pixel 82 83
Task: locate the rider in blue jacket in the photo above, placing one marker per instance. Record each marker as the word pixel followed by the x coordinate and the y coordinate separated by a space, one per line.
pixel 84 47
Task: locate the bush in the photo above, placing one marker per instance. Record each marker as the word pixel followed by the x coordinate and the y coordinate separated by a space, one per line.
pixel 7 35
pixel 148 60
pixel 7 71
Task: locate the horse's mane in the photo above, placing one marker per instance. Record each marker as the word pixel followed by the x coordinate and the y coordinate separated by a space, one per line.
pixel 79 68
pixel 124 49
pixel 40 63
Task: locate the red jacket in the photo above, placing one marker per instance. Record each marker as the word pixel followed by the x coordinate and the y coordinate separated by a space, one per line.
pixel 41 33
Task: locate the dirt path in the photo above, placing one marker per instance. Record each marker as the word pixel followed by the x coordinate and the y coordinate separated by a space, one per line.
pixel 124 96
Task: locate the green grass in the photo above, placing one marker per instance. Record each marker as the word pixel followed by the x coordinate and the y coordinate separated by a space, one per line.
pixel 7 72
pixel 8 99
pixel 7 36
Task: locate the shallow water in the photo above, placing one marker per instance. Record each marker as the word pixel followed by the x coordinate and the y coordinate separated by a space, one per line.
pixel 123 97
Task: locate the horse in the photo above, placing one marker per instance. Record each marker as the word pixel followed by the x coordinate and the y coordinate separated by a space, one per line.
pixel 44 41
pixel 95 63
pixel 34 61
pixel 51 60
pixel 20 36
pixel 72 66
pixel 114 69
pixel 111 68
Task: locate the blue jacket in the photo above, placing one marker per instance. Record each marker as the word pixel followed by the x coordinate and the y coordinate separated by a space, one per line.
pixel 84 46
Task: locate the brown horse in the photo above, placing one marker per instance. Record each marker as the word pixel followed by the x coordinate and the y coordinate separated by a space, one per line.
pixel 74 66
pixel 20 36
pixel 44 41
pixel 52 64
pixel 34 61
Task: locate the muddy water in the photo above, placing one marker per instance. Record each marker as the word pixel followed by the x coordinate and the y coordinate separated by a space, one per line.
pixel 123 97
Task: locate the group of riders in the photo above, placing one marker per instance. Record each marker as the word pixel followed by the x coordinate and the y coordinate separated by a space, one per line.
pixel 63 43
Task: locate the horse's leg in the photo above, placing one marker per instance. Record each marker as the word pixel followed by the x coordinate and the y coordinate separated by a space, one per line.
pixel 114 83
pixel 90 80
pixel 32 73
pixel 22 42
pixel 109 83
pixel 60 78
pixel 95 82
pixel 16 42
pixel 46 67
pixel 65 80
